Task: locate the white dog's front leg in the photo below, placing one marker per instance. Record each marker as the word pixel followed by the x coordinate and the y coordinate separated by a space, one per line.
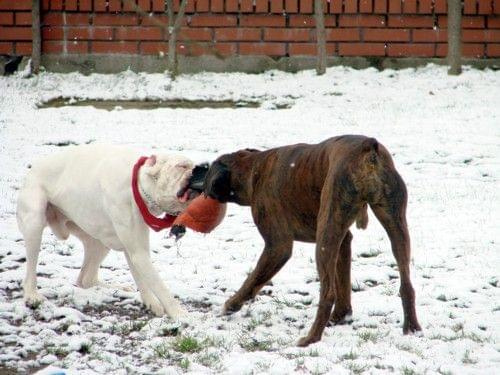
pixel 147 296
pixel 147 276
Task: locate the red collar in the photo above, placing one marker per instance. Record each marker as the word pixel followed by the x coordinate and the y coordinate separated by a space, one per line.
pixel 152 221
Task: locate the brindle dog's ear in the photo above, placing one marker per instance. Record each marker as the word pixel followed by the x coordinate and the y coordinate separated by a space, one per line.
pixel 218 182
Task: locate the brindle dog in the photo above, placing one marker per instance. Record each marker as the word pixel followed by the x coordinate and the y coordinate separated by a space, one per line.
pixel 314 193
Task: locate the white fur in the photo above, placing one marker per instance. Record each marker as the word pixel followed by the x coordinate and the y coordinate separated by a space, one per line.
pixel 86 191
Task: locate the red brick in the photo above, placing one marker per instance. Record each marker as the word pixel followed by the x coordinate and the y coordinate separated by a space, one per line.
pixel 485 7
pixel 202 5
pixel 217 6
pixel 60 47
pixel 308 49
pixel 139 33
pixel 496 6
pixel 468 50
pixel 15 33
pixel 410 6
pixel 71 5
pixel 411 21
pixel 232 6
pixel 246 6
pixel 6 18
pixel 144 5
pixel 469 7
pixel 199 33
pixel 380 6
pixel 493 22
pixel 15 4
pixel 23 48
pixel 405 49
pixel 114 47
pixel 115 5
pixel 493 50
pixel 129 5
pixel 45 4
pixel 305 6
pixel 291 6
pixel 468 22
pixel 480 36
pixel 365 6
pixel 439 35
pixel 56 4
pixel 336 6
pixel 263 21
pixel 395 6
pixel 261 6
pixel 7 48
pixel 350 6
pixel 158 6
pixel 52 19
pixel 85 5
pixel 115 20
pixel 363 20
pixel 238 34
pixel 77 19
pixel 52 33
pixel 342 35
pixel 283 35
pixel 89 33
pixel 100 5
pixel 361 49
pixel 440 7
pixel 158 20
pixel 425 6
pixel 199 49
pixel 268 49
pixel 211 20
pixel 153 48
pixel 277 6
pixel 386 35
pixel 308 21
pixel 23 18
pixel 226 49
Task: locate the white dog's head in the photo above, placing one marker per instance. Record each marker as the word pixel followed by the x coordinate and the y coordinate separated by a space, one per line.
pixel 167 178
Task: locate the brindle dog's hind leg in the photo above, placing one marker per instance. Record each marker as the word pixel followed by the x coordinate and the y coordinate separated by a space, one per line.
pixel 390 210
pixel 342 312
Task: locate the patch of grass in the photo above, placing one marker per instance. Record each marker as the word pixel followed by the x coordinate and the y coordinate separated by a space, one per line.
pixel 441 297
pixel 356 368
pixel 263 318
pixel 126 328
pixel 408 371
pixel 251 344
pixel 209 359
pixel 352 355
pixel 467 359
pixel 184 364
pixel 370 253
pixel 85 348
pixel 187 344
pixel 370 335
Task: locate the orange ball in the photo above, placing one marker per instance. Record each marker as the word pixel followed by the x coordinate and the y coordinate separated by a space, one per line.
pixel 202 215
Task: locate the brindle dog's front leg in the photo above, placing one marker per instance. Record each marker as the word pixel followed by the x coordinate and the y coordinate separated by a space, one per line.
pixel 272 259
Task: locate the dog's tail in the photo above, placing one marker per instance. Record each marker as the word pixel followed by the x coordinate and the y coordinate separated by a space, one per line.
pixel 368 167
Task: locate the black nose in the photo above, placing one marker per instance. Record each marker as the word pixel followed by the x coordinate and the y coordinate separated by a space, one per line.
pixel 198 177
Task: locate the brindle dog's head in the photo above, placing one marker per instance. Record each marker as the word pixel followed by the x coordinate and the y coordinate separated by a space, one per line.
pixel 229 177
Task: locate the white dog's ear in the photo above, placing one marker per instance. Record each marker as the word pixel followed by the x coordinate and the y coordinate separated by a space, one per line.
pixel 153 167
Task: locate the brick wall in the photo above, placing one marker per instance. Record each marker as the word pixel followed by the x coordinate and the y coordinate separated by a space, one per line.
pixel 391 28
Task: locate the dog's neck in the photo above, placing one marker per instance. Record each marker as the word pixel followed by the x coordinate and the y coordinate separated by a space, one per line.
pixel 146 186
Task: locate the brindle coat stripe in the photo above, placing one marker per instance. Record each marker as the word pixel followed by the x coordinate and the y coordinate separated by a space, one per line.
pixel 314 193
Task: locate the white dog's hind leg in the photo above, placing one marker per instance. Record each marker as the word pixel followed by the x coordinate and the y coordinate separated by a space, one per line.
pixel 148 298
pixel 95 252
pixel 31 219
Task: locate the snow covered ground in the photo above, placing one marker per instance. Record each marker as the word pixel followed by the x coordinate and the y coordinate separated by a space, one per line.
pixel 444 133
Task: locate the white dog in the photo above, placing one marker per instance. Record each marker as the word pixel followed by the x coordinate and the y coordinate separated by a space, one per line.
pixel 87 191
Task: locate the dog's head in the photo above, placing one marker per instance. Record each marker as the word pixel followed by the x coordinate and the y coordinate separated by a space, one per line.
pixel 168 182
pixel 229 177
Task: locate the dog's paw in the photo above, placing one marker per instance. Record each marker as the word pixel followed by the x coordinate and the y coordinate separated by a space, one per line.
pixel 231 306
pixel 155 306
pixel 175 311
pixel 306 340
pixel 412 328
pixel 33 300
